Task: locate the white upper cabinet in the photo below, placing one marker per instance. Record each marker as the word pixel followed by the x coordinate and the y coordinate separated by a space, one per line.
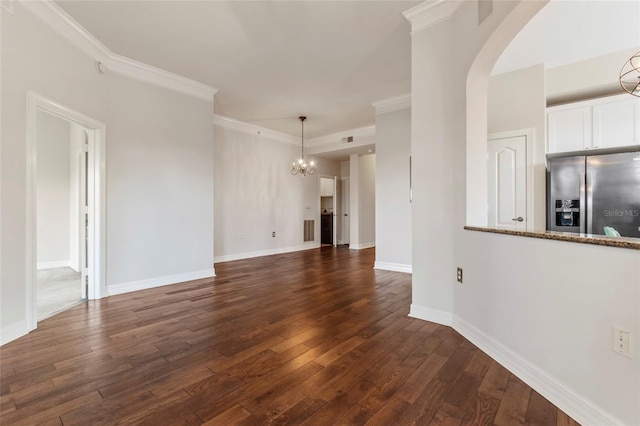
pixel 326 187
pixel 569 129
pixel 600 123
pixel 616 123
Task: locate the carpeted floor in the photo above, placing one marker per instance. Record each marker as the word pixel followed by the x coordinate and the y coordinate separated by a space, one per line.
pixel 58 290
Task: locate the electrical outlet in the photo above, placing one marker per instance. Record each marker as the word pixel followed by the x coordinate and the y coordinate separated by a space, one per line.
pixel 621 342
pixel 273 234
pixel 459 275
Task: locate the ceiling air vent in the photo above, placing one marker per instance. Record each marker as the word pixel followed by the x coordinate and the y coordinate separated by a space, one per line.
pixel 348 139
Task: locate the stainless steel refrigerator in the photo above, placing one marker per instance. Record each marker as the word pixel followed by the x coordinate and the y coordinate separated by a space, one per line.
pixel 598 194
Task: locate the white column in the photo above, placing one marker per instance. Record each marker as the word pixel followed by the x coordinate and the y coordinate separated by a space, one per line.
pixel 354 234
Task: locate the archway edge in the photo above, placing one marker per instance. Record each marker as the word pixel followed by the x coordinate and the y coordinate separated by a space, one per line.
pixel 476 107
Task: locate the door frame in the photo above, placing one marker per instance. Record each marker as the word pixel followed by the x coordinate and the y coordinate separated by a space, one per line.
pixel 97 207
pixel 529 135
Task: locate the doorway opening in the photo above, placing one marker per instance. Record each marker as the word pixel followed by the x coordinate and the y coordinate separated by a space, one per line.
pixel 61 213
pixel 328 211
pixel 65 208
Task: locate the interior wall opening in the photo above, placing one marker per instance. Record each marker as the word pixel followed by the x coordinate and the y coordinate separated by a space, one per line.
pixel 65 208
pixel 61 217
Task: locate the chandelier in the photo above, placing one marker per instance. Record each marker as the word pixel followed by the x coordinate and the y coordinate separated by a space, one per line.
pixel 630 75
pixel 300 166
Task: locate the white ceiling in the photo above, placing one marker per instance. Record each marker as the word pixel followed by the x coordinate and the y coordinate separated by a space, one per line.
pixel 567 31
pixel 328 60
pixel 271 60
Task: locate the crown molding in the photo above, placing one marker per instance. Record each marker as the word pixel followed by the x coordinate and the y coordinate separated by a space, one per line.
pixel 62 23
pixel 392 104
pixel 147 73
pixel 359 132
pixel 243 126
pixel 430 13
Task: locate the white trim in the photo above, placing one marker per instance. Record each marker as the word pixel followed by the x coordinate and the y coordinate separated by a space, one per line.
pixel 7 5
pixel 232 123
pixel 51 265
pixel 360 132
pixel 392 104
pixel 395 267
pixel 577 407
pixel 530 135
pixel 431 13
pixel 76 34
pixel 361 246
pixel 97 251
pixel 160 281
pixel 13 331
pixel 432 315
pixel 260 253
pixel 149 74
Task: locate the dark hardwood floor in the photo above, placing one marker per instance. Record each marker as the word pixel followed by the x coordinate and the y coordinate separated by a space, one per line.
pixel 315 337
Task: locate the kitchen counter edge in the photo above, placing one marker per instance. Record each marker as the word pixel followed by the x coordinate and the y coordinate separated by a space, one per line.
pixel 600 240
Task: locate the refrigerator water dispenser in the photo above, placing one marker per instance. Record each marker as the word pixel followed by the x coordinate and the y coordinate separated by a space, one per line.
pixel 567 212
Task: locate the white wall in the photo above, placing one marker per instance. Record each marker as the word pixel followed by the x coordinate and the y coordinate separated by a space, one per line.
pixel 593 77
pixel 393 206
pixel 33 58
pixel 362 231
pixel 344 169
pixel 159 166
pixel 552 305
pixel 257 195
pixel 53 181
pixel 519 302
pixel 432 160
pixel 159 186
pixel 354 203
pixel 517 102
pixel 367 201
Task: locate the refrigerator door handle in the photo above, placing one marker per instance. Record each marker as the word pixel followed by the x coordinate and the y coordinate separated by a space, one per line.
pixel 589 193
pixel 583 204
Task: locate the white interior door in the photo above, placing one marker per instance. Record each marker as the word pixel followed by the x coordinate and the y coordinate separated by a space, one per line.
pixel 335 211
pixel 338 208
pixel 346 220
pixel 507 173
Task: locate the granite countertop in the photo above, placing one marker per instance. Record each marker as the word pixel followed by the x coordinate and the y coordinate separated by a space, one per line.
pixel 600 240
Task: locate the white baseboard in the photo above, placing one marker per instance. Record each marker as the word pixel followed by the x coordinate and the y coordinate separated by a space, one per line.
pixel 260 253
pixel 361 246
pixel 583 411
pixel 114 289
pixel 75 266
pixel 13 331
pixel 52 265
pixel 432 315
pixel 395 267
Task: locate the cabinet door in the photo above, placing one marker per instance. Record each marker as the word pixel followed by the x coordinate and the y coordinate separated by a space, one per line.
pixel 616 124
pixel 329 190
pixel 569 129
pixel 326 187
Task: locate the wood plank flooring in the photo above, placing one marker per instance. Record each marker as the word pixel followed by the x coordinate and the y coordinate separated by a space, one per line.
pixel 315 338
